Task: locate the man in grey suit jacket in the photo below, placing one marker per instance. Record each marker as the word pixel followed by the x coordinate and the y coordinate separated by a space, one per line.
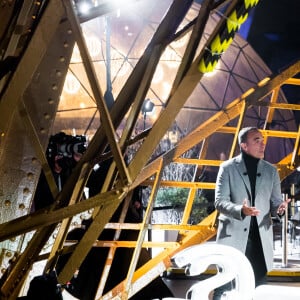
pixel 248 193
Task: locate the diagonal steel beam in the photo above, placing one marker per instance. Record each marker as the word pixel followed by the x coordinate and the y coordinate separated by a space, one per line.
pixel 28 65
pixel 153 268
pixel 176 100
pixel 168 26
pixel 106 121
pixel 220 119
pixel 212 125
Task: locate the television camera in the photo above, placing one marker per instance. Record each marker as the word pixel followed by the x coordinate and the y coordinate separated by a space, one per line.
pixel 63 147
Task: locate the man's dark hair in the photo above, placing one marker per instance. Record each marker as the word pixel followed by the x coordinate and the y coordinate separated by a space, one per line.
pixel 243 134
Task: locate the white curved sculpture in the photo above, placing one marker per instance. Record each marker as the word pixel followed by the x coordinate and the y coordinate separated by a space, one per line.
pixel 232 265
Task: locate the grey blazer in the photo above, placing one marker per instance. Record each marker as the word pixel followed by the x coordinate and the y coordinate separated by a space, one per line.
pixel 232 187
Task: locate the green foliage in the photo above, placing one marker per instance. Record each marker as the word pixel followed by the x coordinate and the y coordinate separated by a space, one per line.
pixel 171 196
pixel 176 198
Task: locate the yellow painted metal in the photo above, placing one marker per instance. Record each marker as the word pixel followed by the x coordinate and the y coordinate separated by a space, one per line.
pixel 283 272
pixel 13 132
pixel 295 156
pixel 198 29
pixel 280 105
pixel 273 133
pixel 192 192
pixel 106 120
pixel 162 261
pixel 292 81
pixel 28 65
pixel 112 250
pixel 199 162
pixel 188 206
pixel 121 102
pixel 39 149
pixel 238 128
pixel 271 110
pixel 174 103
pixel 134 244
pixel 135 226
pixel 142 233
pixel 218 121
pixel 153 168
pixel 183 184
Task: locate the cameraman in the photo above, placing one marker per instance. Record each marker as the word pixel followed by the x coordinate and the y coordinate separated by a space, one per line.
pixel 63 152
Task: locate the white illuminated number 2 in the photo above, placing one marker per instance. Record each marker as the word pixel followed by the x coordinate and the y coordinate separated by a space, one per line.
pixel 232 265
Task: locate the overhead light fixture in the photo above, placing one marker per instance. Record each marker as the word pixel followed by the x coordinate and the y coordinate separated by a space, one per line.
pixel 147 107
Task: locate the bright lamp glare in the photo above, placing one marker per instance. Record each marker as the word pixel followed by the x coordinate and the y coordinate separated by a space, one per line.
pixel 84 7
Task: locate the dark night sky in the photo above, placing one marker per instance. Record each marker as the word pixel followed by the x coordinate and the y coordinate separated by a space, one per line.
pixel 275 35
pixel 275 32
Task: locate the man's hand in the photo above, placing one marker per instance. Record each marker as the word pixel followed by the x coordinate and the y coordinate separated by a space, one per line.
pixel 249 210
pixel 283 206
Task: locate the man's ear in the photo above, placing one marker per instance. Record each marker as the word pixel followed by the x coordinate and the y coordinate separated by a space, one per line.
pixel 243 146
